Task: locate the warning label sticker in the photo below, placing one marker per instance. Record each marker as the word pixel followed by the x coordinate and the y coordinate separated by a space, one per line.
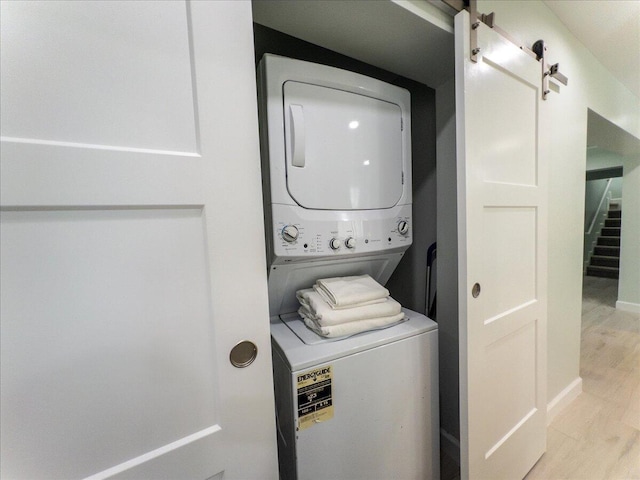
pixel 315 402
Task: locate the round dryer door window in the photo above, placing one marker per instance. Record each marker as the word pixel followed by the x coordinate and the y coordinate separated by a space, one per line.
pixel 343 150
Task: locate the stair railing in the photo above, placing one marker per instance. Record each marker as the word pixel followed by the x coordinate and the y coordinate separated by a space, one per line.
pixel 599 210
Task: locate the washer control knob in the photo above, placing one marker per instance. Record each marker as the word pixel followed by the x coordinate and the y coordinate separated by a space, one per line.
pixel 403 227
pixel 290 233
pixel 334 243
pixel 350 242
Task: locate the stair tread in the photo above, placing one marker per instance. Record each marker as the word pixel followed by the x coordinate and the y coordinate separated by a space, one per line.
pixel 604 261
pixel 607 272
pixel 601 267
pixel 608 242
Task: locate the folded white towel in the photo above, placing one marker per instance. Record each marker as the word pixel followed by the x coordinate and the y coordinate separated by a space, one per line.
pixel 327 300
pixel 346 292
pixel 315 308
pixel 352 328
pixel 318 301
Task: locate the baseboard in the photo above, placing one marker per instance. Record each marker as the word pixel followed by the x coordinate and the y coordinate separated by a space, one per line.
pixel 563 399
pixel 450 445
pixel 628 306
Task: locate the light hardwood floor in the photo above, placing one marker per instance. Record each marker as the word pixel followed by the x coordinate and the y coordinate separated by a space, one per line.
pixel 598 435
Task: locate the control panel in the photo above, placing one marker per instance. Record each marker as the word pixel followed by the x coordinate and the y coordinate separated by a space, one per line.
pixel 304 234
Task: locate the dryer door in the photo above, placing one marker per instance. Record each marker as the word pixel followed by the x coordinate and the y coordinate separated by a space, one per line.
pixel 343 150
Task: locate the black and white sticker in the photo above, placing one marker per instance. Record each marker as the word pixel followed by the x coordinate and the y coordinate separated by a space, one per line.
pixel 315 399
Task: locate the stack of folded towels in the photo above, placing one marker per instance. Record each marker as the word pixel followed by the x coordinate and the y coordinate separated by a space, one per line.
pixel 343 306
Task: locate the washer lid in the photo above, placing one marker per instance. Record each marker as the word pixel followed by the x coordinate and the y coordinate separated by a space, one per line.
pixel 343 150
pixel 302 353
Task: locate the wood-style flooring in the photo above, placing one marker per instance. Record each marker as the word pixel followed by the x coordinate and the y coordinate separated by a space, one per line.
pixel 597 437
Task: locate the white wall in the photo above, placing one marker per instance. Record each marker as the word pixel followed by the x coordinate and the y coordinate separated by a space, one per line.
pixel 629 283
pixel 598 158
pixel 590 86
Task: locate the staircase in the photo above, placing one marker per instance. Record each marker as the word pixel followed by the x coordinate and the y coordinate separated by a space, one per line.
pixel 605 261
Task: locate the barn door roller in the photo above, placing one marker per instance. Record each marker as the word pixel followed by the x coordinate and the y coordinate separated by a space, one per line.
pixel 540 49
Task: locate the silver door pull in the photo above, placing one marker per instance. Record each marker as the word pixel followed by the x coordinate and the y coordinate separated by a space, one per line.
pixel 243 354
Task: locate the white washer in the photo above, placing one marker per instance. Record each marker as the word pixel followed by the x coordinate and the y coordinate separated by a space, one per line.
pixel 336 152
pixel 372 411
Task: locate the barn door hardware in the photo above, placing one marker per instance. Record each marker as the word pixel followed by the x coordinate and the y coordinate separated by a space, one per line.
pixel 489 20
pixel 537 51
pixel 540 49
pixel 475 19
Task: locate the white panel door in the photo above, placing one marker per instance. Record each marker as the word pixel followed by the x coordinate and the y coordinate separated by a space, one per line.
pixel 132 244
pixel 502 201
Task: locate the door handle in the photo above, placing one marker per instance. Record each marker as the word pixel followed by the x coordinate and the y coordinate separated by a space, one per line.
pixel 297 135
pixel 243 354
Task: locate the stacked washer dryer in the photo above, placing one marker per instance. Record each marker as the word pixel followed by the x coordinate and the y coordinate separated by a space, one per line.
pixel 336 151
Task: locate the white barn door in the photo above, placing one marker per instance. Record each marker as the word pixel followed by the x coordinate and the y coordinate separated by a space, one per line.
pixel 132 244
pixel 502 256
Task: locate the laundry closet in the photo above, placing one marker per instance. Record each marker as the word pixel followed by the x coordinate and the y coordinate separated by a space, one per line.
pixel 407 284
pixel 485 203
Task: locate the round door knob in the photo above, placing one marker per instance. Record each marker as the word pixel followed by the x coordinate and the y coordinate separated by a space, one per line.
pixel 290 233
pixel 334 244
pixel 403 227
pixel 350 242
pixel 243 354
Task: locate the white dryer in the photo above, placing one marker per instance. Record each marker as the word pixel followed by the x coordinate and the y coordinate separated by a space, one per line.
pixel 336 151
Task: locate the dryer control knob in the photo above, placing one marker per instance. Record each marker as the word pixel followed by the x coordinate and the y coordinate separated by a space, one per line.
pixel 334 243
pixel 350 242
pixel 403 227
pixel 290 233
